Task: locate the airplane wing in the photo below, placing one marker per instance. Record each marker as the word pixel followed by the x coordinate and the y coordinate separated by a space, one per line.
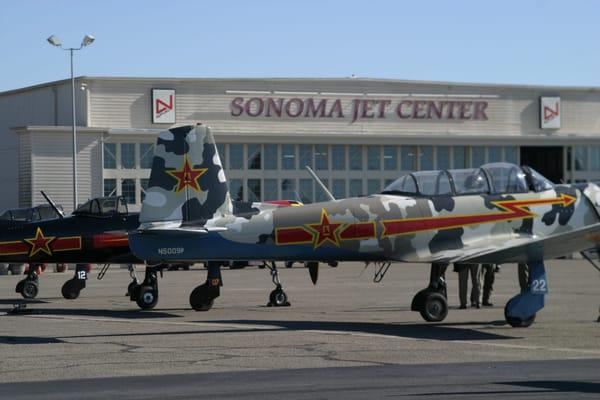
pixel 176 228
pixel 525 248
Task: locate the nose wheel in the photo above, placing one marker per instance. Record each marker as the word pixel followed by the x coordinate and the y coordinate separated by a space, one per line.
pixel 278 297
pixel 29 287
pixel 203 297
pixel 72 288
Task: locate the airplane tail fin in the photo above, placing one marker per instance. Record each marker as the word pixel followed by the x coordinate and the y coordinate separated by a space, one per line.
pixel 187 181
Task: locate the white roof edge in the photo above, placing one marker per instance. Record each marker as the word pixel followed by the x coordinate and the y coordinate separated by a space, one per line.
pixel 158 80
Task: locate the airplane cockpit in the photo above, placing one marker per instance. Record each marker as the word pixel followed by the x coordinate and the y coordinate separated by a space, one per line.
pixel 492 178
pixel 102 207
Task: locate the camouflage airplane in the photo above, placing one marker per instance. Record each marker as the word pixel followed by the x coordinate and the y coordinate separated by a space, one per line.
pixel 498 213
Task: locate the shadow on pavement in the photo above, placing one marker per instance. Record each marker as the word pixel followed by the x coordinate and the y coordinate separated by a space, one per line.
pixel 125 314
pixel 416 331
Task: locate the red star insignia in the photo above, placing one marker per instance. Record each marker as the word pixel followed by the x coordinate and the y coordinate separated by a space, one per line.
pixel 187 176
pixel 40 243
pixel 324 231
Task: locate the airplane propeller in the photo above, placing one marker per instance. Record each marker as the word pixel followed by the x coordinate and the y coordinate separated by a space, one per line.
pixel 313 270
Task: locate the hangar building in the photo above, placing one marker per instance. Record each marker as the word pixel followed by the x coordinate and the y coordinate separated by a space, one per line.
pixel 358 134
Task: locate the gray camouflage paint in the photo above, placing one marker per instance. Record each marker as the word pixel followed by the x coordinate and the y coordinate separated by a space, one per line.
pixel 346 229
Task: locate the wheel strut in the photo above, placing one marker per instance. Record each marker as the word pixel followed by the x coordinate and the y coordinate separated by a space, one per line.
pixel 278 297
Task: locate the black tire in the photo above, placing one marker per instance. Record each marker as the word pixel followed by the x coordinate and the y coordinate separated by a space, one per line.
pixel 517 322
pixel 131 288
pixel 278 298
pixel 435 307
pixel 70 290
pixel 333 264
pixel 148 297
pixel 289 264
pixel 30 289
pixel 201 299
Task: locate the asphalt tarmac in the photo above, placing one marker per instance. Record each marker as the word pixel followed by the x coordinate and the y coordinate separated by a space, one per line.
pixel 347 337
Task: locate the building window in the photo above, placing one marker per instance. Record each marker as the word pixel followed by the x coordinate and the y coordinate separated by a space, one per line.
pixel 580 158
pixel 426 158
pixel 288 156
pixel 254 190
pixel 390 158
pixel 408 159
pixel 236 156
pixel 271 156
pixel 373 186
pixel 128 155
pixel 320 194
pixel 356 187
pixel 339 188
pixel 288 189
pixel 146 155
pixel 510 154
pixel 306 190
pixel 271 189
pixel 477 156
pixel 374 158
pixel 236 189
pixel 355 155
pixel 128 190
pixel 443 157
pixel 322 156
pixel 459 156
pixel 595 158
pixel 305 155
pixel 221 148
pixel 110 187
pixel 494 154
pixel 143 188
pixel 254 157
pixel 110 155
pixel 338 157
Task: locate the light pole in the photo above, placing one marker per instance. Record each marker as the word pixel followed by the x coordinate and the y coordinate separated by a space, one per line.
pixel 87 40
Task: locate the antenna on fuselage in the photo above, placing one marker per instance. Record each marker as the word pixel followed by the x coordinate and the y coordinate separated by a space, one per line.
pixel 319 182
pixel 59 212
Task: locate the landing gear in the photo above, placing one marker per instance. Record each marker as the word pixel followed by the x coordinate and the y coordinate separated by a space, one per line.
pixel 277 298
pixel 520 311
pixel 203 297
pixel 29 287
pixel 146 294
pixel 432 302
pixel 134 280
pixel 72 288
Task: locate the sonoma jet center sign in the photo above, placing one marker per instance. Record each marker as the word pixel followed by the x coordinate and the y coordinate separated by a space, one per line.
pixel 358 109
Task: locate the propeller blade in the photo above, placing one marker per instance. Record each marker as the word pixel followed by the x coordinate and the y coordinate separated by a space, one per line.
pixel 313 270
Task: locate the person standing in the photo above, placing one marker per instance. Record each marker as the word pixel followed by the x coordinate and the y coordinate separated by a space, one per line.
pixel 488 272
pixel 463 276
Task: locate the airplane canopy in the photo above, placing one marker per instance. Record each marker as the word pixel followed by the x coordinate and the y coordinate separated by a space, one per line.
pixel 103 206
pixel 492 178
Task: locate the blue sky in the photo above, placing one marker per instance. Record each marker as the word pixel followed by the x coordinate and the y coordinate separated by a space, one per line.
pixel 522 42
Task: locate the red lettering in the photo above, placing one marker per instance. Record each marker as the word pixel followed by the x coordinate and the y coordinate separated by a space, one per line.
pixel 465 109
pixel 382 106
pixel 418 106
pixel 367 109
pixel 450 109
pixel 236 106
pixel 399 109
pixel 336 108
pixel 479 113
pixel 258 108
pixel 432 108
pixel 294 107
pixel 318 111
pixel 276 106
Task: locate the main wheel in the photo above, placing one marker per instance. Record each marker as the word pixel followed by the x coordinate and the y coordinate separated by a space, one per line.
pixel 70 290
pixel 435 307
pixel 148 297
pixel 517 322
pixel 30 289
pixel 201 299
pixel 278 298
pixel 131 288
